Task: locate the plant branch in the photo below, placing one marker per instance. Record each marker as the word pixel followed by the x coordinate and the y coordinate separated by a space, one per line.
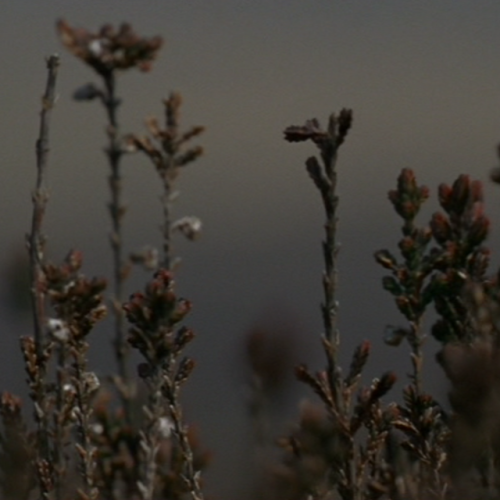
pixel 36 239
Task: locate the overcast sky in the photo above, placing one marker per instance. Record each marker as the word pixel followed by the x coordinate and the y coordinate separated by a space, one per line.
pixel 423 80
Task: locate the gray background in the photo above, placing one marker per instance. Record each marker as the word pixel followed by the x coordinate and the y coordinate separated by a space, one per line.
pixel 423 80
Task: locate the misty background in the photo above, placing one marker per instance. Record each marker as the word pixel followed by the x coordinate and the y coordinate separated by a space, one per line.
pixel 423 79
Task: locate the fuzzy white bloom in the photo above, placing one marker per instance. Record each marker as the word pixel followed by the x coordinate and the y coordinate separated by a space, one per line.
pixel 69 388
pixel 97 429
pixel 92 381
pixel 68 286
pixel 165 427
pixel 58 329
pixel 95 46
pixel 189 226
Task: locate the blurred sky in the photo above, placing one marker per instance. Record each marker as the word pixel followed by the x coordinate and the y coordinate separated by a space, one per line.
pixel 423 80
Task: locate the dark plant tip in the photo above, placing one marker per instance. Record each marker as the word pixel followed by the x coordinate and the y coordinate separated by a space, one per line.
pixel 311 130
pixel 344 124
pixel 441 228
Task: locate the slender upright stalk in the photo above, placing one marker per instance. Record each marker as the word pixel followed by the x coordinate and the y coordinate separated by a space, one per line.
pixel 36 239
pixel 166 201
pixel 169 155
pixel 416 339
pixel 330 277
pixel 116 210
pixel 36 245
pixel 324 176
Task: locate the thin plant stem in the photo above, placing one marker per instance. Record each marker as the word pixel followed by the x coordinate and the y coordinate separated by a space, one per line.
pixel 416 340
pixel 166 201
pixel 117 210
pixel 36 243
pixel 330 276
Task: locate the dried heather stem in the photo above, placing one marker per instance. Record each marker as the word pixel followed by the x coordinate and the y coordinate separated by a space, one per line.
pixel 166 201
pixel 330 254
pixel 116 210
pixel 168 154
pixel 36 240
pixel 108 51
pixel 325 179
pixel 153 316
pixel 190 476
pixel 85 384
pixel 36 244
pixel 151 437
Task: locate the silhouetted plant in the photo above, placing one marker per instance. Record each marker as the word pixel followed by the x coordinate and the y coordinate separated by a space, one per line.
pixel 352 470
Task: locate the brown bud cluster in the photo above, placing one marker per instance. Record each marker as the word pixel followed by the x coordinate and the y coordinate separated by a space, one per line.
pixel 153 315
pixel 78 301
pixel 110 49
pixel 408 198
pixel 333 137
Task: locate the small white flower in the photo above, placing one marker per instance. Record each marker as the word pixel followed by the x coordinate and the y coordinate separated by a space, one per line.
pixel 68 286
pixel 58 329
pixel 92 381
pixel 69 389
pixel 189 226
pixel 165 427
pixel 97 429
pixel 95 47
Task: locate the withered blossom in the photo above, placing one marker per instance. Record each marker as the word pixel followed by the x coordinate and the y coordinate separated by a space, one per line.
pixel 310 130
pixel 189 226
pixel 110 49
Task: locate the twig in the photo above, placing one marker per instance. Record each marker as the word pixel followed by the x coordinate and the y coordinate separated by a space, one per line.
pixel 36 246
pixel 325 179
pixel 108 51
pixel 36 239
pixel 168 153
pixel 116 210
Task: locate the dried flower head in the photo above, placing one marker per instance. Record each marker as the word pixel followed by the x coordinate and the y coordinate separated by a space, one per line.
pixel 110 49
pixel 189 226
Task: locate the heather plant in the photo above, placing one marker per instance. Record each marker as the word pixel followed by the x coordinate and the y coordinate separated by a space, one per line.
pixel 358 441
pixel 114 450
pixel 108 53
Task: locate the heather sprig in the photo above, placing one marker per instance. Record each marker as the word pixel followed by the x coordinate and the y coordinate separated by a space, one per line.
pixel 108 52
pixel 412 283
pixel 460 233
pixel 324 176
pixel 409 279
pixel 351 470
pixel 62 407
pixel 155 333
pixel 78 305
pixel 36 239
pixel 168 150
